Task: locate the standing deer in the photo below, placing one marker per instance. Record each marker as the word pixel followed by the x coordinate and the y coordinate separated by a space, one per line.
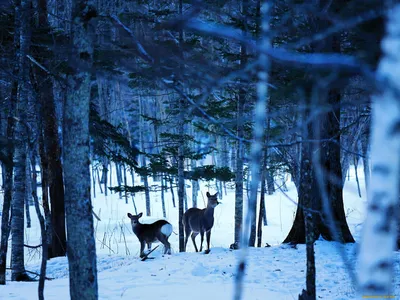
pixel 197 221
pixel 158 231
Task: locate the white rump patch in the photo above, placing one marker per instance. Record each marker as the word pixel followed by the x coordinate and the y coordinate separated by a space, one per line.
pixel 166 230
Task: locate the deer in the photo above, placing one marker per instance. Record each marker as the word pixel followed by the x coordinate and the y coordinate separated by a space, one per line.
pixel 201 221
pixel 158 231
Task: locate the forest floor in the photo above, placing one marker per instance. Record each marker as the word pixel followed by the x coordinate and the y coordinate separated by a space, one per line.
pixel 276 272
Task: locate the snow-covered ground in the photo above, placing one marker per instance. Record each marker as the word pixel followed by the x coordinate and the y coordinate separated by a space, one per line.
pixel 276 272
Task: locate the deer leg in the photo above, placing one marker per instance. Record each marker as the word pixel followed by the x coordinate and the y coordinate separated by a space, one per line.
pixel 164 240
pixel 208 239
pixel 149 246
pixel 186 239
pixel 202 239
pixel 187 234
pixel 142 244
pixel 194 234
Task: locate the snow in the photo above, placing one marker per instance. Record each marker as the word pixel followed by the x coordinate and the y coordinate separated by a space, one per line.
pixel 276 272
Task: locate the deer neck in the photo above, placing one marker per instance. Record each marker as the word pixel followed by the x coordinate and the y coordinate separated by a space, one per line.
pixel 209 211
pixel 137 227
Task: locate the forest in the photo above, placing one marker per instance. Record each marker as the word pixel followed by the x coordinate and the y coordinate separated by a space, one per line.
pixel 267 126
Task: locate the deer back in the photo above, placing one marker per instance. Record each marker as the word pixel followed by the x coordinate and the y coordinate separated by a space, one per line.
pixel 201 219
pixel 194 218
pixel 149 232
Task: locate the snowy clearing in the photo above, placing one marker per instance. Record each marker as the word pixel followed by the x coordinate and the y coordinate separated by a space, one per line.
pixel 276 272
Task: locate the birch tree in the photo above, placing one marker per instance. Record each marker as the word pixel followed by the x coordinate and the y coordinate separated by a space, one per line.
pixel 375 271
pixel 81 248
pixel 257 145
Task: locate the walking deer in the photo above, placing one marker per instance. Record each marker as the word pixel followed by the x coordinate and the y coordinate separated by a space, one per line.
pixel 158 231
pixel 201 221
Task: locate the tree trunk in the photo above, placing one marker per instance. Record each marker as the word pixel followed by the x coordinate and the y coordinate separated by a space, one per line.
pixel 332 224
pixel 143 157
pixel 262 214
pixel 48 118
pixel 375 272
pixel 118 170
pixel 42 224
pixel 330 163
pixel 125 183
pixel 181 154
pixel 308 195
pixel 260 111
pixel 297 234
pixel 104 175
pixel 81 248
pixel 7 169
pixel 27 193
pixel 239 155
pixel 45 191
pixel 172 192
pixel 195 190
pixel 270 181
pixel 17 209
pixel 163 187
pixel 356 173
pixel 365 152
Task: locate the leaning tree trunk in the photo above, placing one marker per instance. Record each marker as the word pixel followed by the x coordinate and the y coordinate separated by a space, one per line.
pixel 42 223
pixel 379 235
pixel 17 209
pixel 81 247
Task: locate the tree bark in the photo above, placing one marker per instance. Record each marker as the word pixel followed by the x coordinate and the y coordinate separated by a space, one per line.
pixel 8 183
pixel 260 117
pixel 27 193
pixel 365 153
pixel 375 261
pixel 17 209
pixel 331 206
pixel 42 224
pixel 81 248
pixel 240 147
pixel 331 163
pixel 143 157
pixel 181 157
pixel 308 195
pixel 48 117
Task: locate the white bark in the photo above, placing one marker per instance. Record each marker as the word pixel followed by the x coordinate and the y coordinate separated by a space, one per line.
pixel 260 115
pixel 380 228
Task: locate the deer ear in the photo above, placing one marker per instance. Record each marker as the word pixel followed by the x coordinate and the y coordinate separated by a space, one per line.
pixel 216 194
pixel 130 216
pixel 140 215
pixel 208 194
